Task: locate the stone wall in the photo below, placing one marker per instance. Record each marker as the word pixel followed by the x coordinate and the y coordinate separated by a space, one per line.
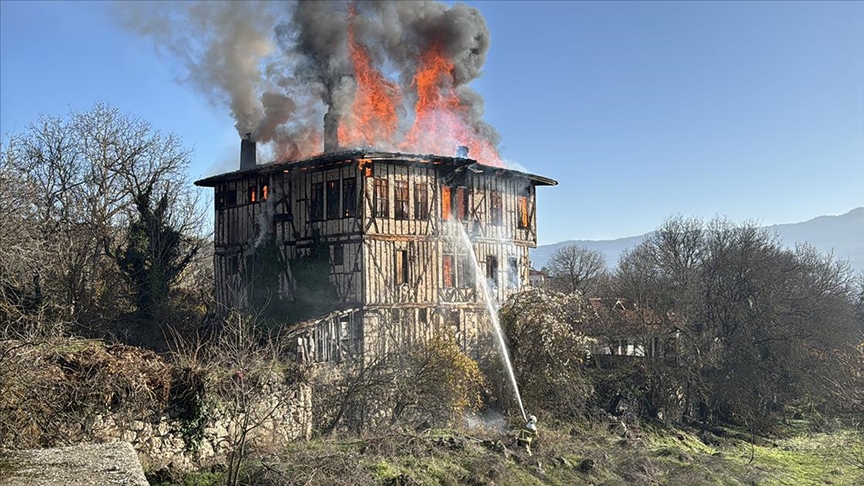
pixel 184 445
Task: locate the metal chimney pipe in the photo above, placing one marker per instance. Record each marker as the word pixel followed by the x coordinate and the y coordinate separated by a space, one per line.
pixel 331 132
pixel 248 153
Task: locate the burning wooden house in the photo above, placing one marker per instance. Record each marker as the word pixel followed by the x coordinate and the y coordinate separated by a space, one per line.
pixel 389 221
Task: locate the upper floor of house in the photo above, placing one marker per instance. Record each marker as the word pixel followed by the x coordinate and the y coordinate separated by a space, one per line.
pixel 376 194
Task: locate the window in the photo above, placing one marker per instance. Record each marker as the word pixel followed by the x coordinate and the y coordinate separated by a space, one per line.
pixel 226 199
pixel 421 201
pixel 460 203
pixel 233 265
pixel 422 316
pixel 333 199
pixel 467 272
pixel 445 203
pixel 265 193
pixel 496 214
pixel 381 205
pixel 492 269
pixel 513 273
pixel 447 265
pixel 400 200
pixel 253 193
pixel 316 203
pixel 349 197
pixel 523 212
pixel 401 267
pixel 338 255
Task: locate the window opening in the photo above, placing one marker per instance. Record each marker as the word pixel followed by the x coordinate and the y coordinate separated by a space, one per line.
pixel 381 204
pixel 316 205
pixel 421 201
pixel 349 197
pixel 333 199
pixel 400 200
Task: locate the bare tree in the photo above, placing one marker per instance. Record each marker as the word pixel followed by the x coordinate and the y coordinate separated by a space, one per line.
pixel 70 183
pixel 574 268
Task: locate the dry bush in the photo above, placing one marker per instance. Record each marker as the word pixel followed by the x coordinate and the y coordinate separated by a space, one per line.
pixel 546 351
pixel 49 389
pixel 428 384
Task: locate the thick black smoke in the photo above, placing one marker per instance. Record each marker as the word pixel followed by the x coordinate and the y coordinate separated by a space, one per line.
pixel 281 67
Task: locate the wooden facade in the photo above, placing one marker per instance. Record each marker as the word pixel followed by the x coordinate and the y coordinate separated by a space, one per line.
pixel 391 222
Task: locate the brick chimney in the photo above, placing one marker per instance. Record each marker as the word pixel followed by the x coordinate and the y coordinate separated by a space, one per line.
pixel 331 132
pixel 248 153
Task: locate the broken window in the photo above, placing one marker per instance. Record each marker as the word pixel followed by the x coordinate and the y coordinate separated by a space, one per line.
pixel 513 273
pixel 523 212
pixel 466 272
pixel 400 200
pixel 401 267
pixel 421 201
pixel 495 211
pixel 447 265
pixel 333 199
pixel 492 269
pixel 349 197
pixel 338 255
pixel 445 203
pixel 316 203
pixel 381 204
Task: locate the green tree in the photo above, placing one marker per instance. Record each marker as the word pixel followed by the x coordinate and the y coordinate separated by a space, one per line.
pixel 155 254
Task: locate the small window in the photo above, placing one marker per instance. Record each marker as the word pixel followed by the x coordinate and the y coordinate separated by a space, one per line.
pixel 253 194
pixel 226 199
pixel 445 203
pixel 496 213
pixel 513 273
pixel 265 193
pixel 333 199
pixel 447 266
pixel 349 197
pixel 233 265
pixel 422 316
pixel 400 200
pixel 316 203
pixel 338 255
pixel 421 201
pixel 492 269
pixel 381 203
pixel 401 267
pixel 523 212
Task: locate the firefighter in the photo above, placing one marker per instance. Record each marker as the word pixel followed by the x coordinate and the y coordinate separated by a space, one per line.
pixel 528 434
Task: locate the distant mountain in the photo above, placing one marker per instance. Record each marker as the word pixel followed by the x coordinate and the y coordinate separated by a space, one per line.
pixel 843 234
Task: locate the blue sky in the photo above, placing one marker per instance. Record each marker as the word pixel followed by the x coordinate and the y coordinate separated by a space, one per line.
pixel 640 110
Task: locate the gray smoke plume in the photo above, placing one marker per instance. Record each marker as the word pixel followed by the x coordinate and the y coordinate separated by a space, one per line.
pixel 280 67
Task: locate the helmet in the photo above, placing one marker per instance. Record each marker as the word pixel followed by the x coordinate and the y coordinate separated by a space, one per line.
pixel 532 418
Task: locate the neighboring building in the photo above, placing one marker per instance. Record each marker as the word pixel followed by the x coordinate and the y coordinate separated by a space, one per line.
pixel 398 268
pixel 536 278
pixel 621 328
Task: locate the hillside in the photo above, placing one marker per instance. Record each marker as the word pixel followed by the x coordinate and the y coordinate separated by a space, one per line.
pixel 842 234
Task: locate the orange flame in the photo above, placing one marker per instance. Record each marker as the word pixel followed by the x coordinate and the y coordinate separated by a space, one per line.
pixel 439 122
pixel 373 116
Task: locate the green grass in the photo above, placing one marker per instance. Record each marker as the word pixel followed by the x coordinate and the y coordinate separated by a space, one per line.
pixel 648 455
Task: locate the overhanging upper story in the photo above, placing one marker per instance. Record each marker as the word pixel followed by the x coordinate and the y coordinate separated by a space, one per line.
pixel 376 194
